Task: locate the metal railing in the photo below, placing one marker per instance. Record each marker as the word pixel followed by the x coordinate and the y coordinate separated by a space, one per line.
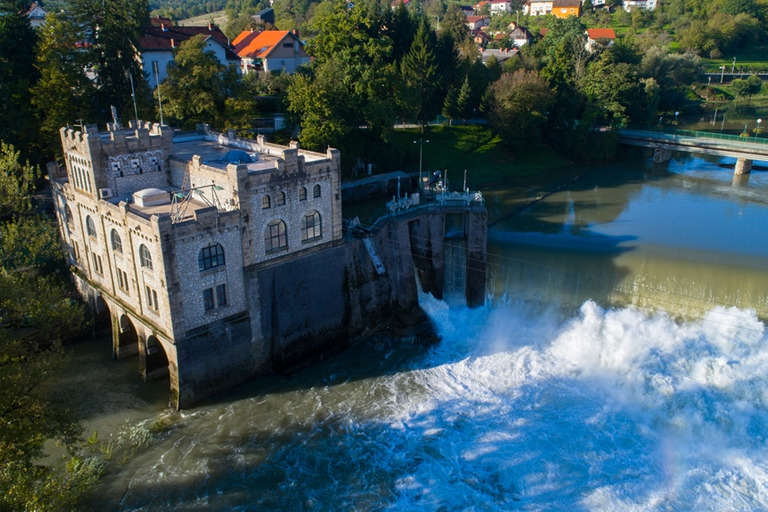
pixel 672 134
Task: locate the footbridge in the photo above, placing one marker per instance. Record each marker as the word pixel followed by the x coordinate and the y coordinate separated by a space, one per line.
pixel 744 149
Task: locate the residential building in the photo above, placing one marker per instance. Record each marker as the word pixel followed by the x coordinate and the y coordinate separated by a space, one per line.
pixel 270 50
pixel 538 7
pixel 600 36
pixel 477 22
pixel 519 35
pixel 639 4
pixel 566 8
pixel 36 14
pixel 158 44
pixel 499 7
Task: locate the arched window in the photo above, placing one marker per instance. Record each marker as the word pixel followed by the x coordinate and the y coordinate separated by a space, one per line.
pixel 275 237
pixel 90 227
pixel 311 227
pixel 316 191
pixel 265 202
pixel 68 213
pixel 144 257
pixel 210 257
pixel 303 194
pixel 117 244
pixel 280 198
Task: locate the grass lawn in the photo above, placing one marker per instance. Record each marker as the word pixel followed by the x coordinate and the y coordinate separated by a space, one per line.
pixel 217 17
pixel 476 149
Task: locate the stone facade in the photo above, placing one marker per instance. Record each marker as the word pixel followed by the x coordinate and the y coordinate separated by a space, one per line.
pixel 160 230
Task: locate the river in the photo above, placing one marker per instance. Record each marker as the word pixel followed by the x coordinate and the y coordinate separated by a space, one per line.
pixel 618 364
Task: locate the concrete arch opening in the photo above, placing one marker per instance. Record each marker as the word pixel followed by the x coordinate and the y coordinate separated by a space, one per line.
pixel 102 317
pixel 153 360
pixel 126 340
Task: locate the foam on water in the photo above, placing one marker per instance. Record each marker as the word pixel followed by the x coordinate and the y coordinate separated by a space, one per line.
pixel 514 408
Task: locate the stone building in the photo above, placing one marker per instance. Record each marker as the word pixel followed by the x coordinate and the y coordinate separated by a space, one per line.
pixel 161 230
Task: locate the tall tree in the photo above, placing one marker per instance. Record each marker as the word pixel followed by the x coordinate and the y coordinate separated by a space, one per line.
pixel 113 31
pixel 517 106
pixel 63 93
pixel 421 77
pixel 17 76
pixel 36 312
pixel 198 87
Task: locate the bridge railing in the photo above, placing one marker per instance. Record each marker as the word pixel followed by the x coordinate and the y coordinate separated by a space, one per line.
pixel 676 133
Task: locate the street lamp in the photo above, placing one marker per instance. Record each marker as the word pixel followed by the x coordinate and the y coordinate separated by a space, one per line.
pixel 733 66
pixel 676 114
pixel 757 130
pixel 722 72
pixel 421 142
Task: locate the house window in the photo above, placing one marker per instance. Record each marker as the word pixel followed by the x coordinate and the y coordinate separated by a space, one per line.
pixel 151 298
pixel 288 45
pixel 122 280
pixel 265 202
pixel 219 300
pixel 275 237
pixel 303 194
pixel 68 213
pixel 221 295
pixel 316 191
pixel 90 227
pixel 210 257
pixel 97 264
pixel 144 257
pixel 208 299
pixel 311 227
pixel 117 244
pixel 280 198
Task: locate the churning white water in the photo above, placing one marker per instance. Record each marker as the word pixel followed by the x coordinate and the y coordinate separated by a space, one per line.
pixel 513 409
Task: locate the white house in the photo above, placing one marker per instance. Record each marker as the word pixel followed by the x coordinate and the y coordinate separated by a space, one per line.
pixel 158 44
pixel 500 7
pixel 270 50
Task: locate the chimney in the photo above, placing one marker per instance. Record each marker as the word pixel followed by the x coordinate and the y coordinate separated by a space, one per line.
pixel 295 33
pixel 173 43
pixel 210 27
pixel 163 27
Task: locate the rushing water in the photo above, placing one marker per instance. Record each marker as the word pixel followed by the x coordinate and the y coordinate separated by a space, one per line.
pixel 619 364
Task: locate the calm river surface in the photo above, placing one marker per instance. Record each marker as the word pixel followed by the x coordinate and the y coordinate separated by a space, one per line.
pixel 619 364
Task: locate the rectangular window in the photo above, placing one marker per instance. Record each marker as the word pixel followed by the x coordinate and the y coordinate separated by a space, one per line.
pixel 208 299
pixel 151 298
pixel 97 264
pixel 122 280
pixel 221 295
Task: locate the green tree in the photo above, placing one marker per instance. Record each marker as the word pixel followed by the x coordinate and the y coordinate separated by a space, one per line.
pixel 114 27
pixel 517 106
pixel 17 76
pixel 63 93
pixel 198 87
pixel 421 78
pixel 747 87
pixel 36 311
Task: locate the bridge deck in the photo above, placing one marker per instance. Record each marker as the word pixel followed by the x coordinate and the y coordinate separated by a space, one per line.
pixel 711 143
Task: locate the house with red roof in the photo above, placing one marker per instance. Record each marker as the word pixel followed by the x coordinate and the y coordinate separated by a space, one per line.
pixel 477 22
pixel 602 36
pixel 158 44
pixel 270 50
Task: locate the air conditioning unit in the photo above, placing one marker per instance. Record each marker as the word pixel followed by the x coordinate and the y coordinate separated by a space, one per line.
pixel 105 193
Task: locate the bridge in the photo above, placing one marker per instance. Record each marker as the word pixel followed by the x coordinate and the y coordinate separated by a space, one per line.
pixel 744 149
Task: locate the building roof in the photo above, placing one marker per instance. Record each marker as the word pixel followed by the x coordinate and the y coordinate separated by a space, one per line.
pixel 167 37
pixel 252 44
pixel 566 3
pixel 601 33
pixel 475 19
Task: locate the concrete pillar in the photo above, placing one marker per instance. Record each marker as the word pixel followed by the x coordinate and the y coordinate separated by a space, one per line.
pixel 743 166
pixel 477 234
